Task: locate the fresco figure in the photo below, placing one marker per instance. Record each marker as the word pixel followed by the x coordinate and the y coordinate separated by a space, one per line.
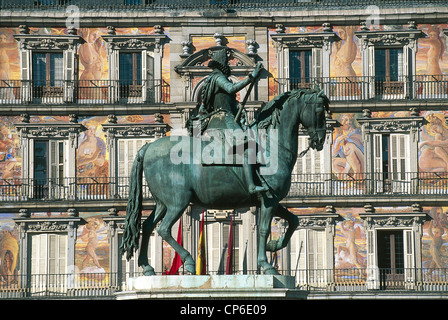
pixel 92 160
pixel 350 248
pixel 7 47
pixel 90 57
pixel 8 161
pixel 90 235
pixel 348 149
pixel 434 74
pixel 345 53
pixel 436 234
pixel 9 251
pixel 434 153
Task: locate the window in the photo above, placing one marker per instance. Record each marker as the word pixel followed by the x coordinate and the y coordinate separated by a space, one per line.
pixel 300 69
pixel 48 262
pixel 130 72
pixel 308 256
pixel 48 253
pixel 389 64
pixel 308 176
pixel 127 150
pixel 391 162
pixel 128 269
pixel 48 168
pixel 47 74
pixel 217 242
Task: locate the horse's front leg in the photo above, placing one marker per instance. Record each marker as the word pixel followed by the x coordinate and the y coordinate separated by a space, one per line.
pixel 264 229
pixel 293 223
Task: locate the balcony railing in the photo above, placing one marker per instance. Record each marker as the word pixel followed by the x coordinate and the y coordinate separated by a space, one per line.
pixel 81 188
pixel 105 285
pixel 195 4
pixel 363 88
pixel 83 92
pixel 368 184
pixel 302 185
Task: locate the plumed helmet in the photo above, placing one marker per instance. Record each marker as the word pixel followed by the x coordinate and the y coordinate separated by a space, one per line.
pixel 220 61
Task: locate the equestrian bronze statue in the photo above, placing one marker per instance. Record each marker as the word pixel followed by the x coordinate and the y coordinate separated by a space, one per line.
pixel 178 175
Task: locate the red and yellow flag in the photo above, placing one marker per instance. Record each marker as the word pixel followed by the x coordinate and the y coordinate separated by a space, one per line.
pixel 201 261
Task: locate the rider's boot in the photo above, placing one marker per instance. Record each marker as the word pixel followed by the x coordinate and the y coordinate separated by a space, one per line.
pixel 248 173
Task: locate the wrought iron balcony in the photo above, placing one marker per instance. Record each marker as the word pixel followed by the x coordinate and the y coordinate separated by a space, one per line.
pixel 389 184
pixel 97 92
pixel 355 280
pixel 66 189
pixel 369 184
pixel 195 4
pixel 364 88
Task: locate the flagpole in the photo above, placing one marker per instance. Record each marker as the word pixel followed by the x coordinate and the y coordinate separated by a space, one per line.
pixel 229 267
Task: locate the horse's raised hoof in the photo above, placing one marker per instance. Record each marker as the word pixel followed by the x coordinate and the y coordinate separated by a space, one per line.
pixel 275 245
pixel 272 245
pixel 148 271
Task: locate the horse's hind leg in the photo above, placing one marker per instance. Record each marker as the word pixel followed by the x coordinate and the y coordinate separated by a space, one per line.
pixel 147 228
pixel 293 222
pixel 172 215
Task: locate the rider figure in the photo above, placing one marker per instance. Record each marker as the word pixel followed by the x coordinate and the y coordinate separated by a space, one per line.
pixel 219 92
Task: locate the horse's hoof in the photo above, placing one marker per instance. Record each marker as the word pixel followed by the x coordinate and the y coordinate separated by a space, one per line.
pixel 148 271
pixel 270 271
pixel 190 266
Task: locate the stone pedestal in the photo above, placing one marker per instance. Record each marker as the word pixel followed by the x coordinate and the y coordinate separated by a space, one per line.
pixel 212 287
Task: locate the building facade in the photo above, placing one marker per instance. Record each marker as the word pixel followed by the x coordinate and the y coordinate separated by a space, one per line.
pixel 85 84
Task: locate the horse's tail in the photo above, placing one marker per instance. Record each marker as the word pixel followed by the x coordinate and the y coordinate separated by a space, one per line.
pixel 131 233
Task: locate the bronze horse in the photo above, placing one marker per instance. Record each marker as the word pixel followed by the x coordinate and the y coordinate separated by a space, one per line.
pixel 175 186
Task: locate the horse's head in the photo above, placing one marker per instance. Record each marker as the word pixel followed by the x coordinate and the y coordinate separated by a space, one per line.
pixel 313 118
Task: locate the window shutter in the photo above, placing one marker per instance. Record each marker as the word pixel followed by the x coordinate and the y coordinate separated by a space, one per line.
pixel 144 76
pixel 399 145
pixel 213 244
pixel 372 266
pixel 378 162
pixel 371 71
pixel 69 75
pixel 401 66
pixel 300 257
pixel 316 62
pixel 54 160
pixel 69 69
pixel 121 158
pixel 409 261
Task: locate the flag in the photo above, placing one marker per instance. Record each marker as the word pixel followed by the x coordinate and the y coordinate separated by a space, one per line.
pixel 201 261
pixel 229 266
pixel 177 261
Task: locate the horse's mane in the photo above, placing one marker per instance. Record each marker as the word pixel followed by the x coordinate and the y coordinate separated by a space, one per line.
pixel 269 115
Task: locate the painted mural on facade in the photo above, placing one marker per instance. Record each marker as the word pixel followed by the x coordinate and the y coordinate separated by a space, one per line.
pixel 92 248
pixel 435 242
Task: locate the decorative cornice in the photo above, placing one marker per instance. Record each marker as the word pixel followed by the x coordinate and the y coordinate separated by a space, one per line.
pixel 136 130
pixel 50 130
pixel 318 220
pixel 391 124
pixel 389 37
pixel 48 42
pixel 305 40
pixel 384 220
pixel 132 42
pixel 48 225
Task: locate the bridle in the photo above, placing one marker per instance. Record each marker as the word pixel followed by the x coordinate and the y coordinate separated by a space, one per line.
pixel 312 132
